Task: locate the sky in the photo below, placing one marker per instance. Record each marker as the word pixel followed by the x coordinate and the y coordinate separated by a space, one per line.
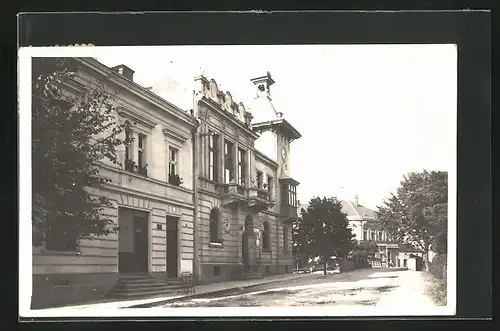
pixel 368 114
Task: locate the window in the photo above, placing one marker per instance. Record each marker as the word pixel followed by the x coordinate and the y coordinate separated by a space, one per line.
pixel 128 147
pixel 241 166
pixel 141 155
pixel 173 167
pixel 365 235
pixel 60 237
pixel 228 162
pixel 214 225
pixel 260 179
pixel 172 162
pixel 212 157
pixel 270 185
pixel 266 236
pixel 285 239
pixel 289 195
pixel 379 236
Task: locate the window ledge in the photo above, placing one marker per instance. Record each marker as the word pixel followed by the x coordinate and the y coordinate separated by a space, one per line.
pixel 216 245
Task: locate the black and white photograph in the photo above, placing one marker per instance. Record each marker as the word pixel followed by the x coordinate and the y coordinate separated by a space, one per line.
pixel 238 180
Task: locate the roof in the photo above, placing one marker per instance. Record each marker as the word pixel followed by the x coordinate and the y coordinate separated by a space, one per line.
pixel 357 212
pixel 354 213
pixel 287 128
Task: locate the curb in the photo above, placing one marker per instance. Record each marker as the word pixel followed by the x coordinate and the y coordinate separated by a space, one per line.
pixel 201 295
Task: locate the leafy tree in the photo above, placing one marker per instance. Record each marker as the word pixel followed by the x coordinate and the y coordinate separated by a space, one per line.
pixel 418 213
pixel 322 231
pixel 367 246
pixel 71 133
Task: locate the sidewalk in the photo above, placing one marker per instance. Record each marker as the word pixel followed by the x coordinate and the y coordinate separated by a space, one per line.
pixel 200 290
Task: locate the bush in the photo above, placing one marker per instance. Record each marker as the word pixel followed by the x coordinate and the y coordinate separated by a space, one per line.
pixel 438 266
pixel 437 282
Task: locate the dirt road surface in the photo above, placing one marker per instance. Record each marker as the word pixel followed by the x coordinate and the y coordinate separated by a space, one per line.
pixel 365 287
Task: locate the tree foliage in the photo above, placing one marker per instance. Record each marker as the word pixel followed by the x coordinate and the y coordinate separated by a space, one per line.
pixel 71 133
pixel 367 246
pixel 322 230
pixel 418 213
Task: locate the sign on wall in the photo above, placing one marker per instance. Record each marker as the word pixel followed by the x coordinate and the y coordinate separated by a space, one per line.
pixel 257 236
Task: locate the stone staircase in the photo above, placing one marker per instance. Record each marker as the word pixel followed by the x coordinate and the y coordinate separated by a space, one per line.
pixel 137 286
pixel 251 274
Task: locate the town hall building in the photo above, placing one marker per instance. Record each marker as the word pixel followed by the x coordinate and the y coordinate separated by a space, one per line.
pixel 246 197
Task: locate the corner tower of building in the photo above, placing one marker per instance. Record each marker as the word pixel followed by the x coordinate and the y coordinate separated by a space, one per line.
pixel 276 135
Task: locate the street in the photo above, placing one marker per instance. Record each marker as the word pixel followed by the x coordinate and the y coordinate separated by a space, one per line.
pixel 364 287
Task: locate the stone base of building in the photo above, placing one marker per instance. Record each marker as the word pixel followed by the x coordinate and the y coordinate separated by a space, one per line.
pixel 214 273
pixel 52 290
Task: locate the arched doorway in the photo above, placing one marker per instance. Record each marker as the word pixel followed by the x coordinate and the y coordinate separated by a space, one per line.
pixel 248 245
pixel 249 223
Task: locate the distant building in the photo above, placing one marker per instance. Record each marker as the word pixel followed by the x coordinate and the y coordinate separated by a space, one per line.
pixel 368 231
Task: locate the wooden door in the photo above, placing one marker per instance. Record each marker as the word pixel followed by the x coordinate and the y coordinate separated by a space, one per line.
pixel 141 243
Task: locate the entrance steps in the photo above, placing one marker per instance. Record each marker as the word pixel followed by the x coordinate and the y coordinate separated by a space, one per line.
pixel 136 286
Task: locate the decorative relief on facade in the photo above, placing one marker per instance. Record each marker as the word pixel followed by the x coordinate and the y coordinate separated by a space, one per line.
pixel 264 180
pixel 227 226
pixel 213 90
pixel 229 102
pixel 253 180
pixel 226 102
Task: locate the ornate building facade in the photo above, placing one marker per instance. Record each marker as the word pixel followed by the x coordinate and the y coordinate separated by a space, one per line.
pixel 246 198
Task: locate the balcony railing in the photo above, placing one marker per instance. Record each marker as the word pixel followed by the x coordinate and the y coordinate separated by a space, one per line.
pixel 262 194
pixel 288 211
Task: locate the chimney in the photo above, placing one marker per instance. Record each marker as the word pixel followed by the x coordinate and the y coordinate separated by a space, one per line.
pixel 124 71
pixel 356 203
pixel 263 85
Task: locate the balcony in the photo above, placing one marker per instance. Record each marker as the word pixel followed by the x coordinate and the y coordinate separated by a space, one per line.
pixel 288 212
pixel 259 199
pixel 233 194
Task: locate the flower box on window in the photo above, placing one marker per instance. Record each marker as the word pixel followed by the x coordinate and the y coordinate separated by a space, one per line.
pixel 143 170
pixel 130 165
pixel 174 180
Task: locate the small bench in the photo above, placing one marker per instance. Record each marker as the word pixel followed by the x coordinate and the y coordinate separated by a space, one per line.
pixel 186 283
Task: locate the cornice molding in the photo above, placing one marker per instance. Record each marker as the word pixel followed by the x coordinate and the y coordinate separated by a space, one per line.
pixel 136 89
pixel 136 116
pixel 175 135
pixel 229 118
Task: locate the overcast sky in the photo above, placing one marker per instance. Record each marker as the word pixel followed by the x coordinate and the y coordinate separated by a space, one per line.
pixel 367 113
